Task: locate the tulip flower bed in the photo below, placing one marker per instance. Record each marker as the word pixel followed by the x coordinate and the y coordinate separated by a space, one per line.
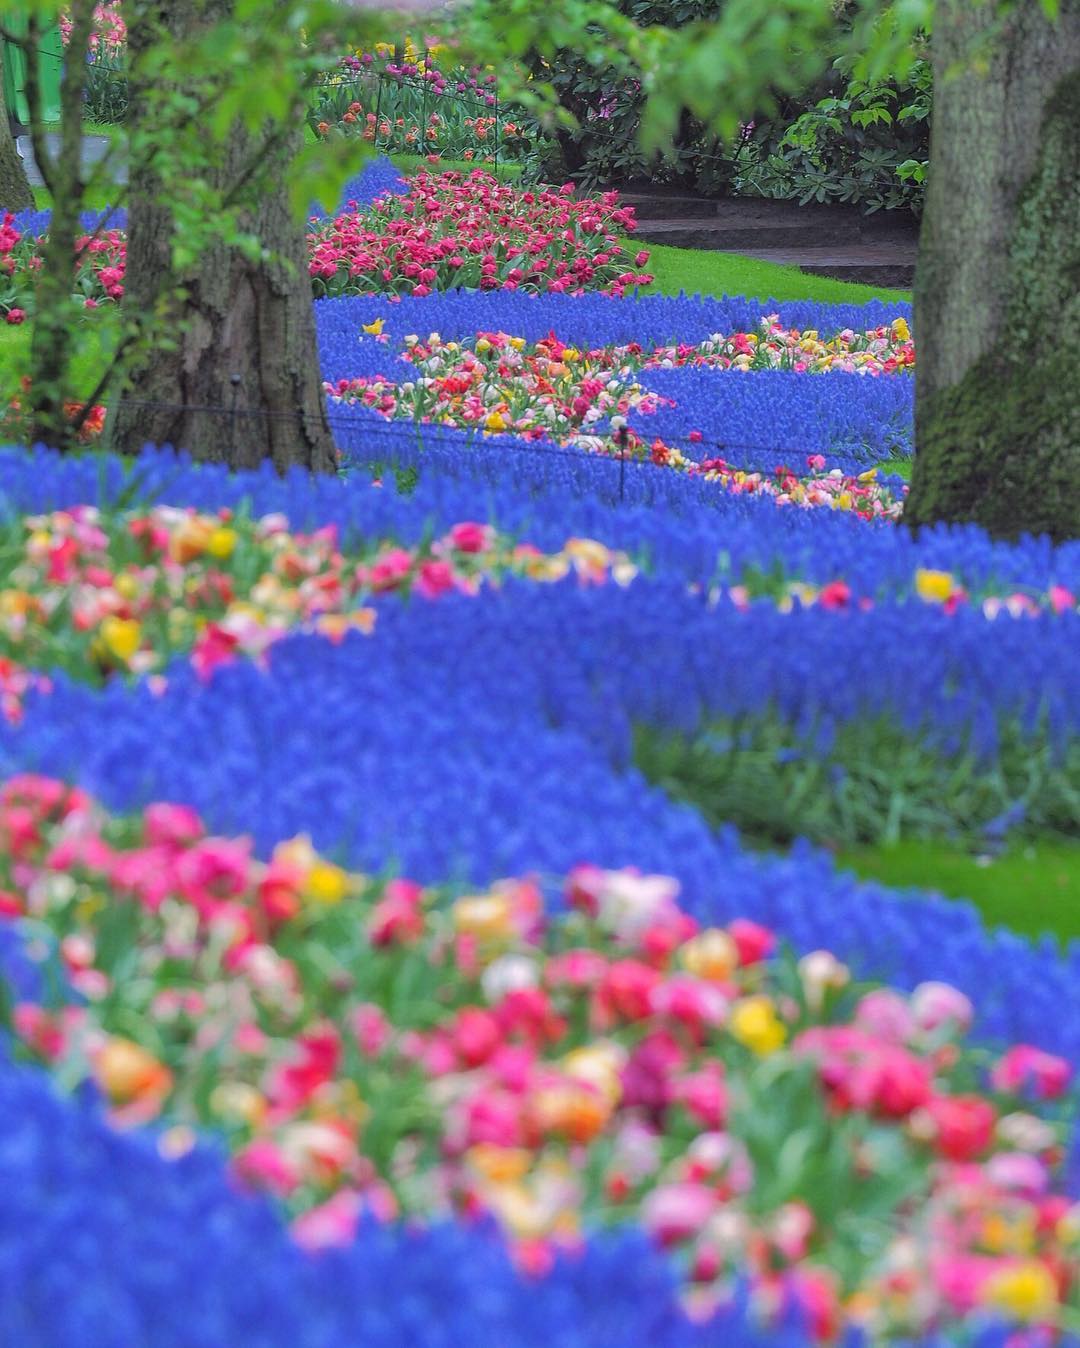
pixel 378 1047
pixel 444 231
pixel 352 1101
pixel 581 399
pixel 97 595
pixel 451 230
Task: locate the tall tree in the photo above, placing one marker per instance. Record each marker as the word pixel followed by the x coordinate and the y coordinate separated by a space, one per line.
pixel 997 293
pixel 15 193
pixel 239 379
pixel 997 289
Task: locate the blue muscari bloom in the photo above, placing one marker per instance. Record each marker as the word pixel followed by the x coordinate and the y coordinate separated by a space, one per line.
pixel 374 180
pixel 683 527
pixel 476 738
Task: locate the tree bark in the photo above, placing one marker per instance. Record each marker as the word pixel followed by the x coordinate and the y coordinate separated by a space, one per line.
pixel 52 339
pixel 15 193
pixel 241 382
pixel 997 287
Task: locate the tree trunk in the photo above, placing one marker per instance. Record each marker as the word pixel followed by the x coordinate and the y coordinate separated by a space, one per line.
pixel 241 383
pixel 15 193
pixel 53 337
pixel 997 288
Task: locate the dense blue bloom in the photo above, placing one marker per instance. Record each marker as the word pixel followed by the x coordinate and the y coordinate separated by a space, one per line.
pixel 470 739
pixel 685 528
pixel 375 180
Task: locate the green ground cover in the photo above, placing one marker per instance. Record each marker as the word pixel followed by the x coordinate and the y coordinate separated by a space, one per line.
pixel 697 271
pixel 1032 888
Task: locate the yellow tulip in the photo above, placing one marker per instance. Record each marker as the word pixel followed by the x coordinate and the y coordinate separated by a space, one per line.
pixel 221 544
pixel 125 1071
pixel 754 1022
pixel 495 422
pixel 499 1165
pixel 374 327
pixel 712 954
pixel 933 586
pixel 240 1101
pixel 1027 1291
pixel 189 541
pixel 900 330
pixel 326 883
pixel 121 637
pixel 487 917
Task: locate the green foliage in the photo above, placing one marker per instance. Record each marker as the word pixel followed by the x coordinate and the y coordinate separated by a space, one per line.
pixel 106 90
pixel 875 783
pixel 866 144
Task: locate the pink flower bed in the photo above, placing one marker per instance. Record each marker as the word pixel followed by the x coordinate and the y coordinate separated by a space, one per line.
pixel 374 1046
pixel 452 229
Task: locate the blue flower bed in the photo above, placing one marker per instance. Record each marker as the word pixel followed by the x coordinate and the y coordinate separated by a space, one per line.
pixel 472 738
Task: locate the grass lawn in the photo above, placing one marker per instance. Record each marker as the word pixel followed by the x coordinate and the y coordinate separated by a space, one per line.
pixel 697 271
pixel 1032 888
pixel 95 338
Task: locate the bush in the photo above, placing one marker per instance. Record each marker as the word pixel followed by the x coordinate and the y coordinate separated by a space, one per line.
pixel 843 140
pixel 866 144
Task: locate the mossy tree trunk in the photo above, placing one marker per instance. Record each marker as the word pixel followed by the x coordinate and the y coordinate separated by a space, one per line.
pixel 239 382
pixel 997 288
pixel 15 193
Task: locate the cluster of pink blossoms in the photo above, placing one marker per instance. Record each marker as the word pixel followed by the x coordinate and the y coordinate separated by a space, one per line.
pixel 447 231
pixel 455 230
pixel 97 595
pixel 100 264
pixel 843 1147
pixel 109 33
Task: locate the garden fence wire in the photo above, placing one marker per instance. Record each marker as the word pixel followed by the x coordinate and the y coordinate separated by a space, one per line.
pixel 394 433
